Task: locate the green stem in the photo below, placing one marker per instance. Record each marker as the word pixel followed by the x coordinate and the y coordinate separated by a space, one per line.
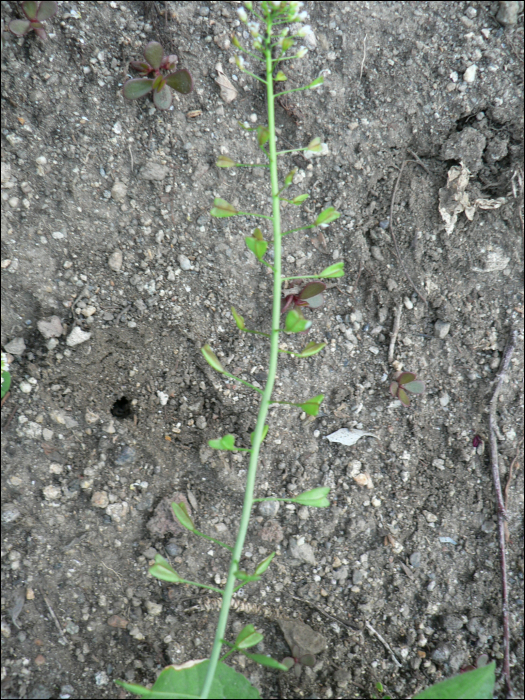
pixel 303 277
pixel 252 165
pixel 238 379
pixel 249 213
pixel 211 539
pixel 266 335
pixel 301 228
pixel 292 150
pixel 272 370
pixel 285 92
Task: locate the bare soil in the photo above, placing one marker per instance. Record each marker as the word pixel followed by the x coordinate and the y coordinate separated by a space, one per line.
pixel 100 200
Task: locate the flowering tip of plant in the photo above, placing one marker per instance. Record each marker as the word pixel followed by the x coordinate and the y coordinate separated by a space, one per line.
pixel 36 12
pixel 211 359
pixel 280 77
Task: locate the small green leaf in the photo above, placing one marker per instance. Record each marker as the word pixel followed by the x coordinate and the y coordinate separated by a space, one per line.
pixel 261 568
pixel 163 570
pixel 225 443
pixel 311 407
pixel 246 128
pixel 225 162
pixel 211 358
pixel 289 178
pixel 221 208
pixel 181 81
pixel 248 637
pixel 181 513
pixel 263 134
pixel 311 349
pixel 466 686
pixel 137 87
pixel 300 199
pixel 327 216
pixel 280 76
pixel 19 27
pixel 315 145
pixel 46 10
pixel 315 498
pixel 403 397
pixel 29 8
pixel 264 434
pixel 295 322
pixel 266 661
pixel 158 82
pixel 336 270
pixel 405 377
pixel 416 387
pixel 162 96
pixel 288 43
pixel 317 81
pixel 154 53
pixel 239 320
pixel 258 248
pixel 6 382
pixel 288 662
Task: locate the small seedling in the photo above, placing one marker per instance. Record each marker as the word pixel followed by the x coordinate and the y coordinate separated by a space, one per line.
pixel 6 375
pixel 405 383
pixel 311 295
pixel 155 62
pixel 297 660
pixel 36 13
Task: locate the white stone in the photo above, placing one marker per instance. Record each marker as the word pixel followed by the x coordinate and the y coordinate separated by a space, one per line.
pixel 469 76
pixel 184 262
pixel 115 260
pixel 77 336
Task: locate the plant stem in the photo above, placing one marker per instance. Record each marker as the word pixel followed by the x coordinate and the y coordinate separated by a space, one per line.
pixel 272 370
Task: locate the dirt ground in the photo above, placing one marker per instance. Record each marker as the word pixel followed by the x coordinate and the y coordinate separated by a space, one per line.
pixel 106 226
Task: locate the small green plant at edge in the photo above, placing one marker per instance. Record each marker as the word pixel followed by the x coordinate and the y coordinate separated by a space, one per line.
pixel 6 375
pixel 36 13
pixel 155 62
pixel 405 383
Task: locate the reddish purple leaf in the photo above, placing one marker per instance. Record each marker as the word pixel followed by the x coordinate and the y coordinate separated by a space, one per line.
pixel 312 289
pixel 405 377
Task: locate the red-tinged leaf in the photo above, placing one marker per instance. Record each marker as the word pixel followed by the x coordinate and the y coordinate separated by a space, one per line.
pixel 311 407
pixel 29 9
pixel 138 87
pixel 312 289
pixel 141 66
pixel 181 81
pixel 158 82
pixel 394 386
pixel 296 322
pixel 162 97
pixel 287 302
pixel 414 387
pixel 405 377
pixel 39 30
pixel 221 208
pixel 154 53
pixel 46 10
pixel 168 62
pixel 403 397
pixel 19 27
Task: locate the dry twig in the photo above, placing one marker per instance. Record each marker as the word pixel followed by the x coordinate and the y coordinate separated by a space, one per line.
pixel 55 620
pixel 395 331
pixel 384 642
pixel 502 513
pixel 364 58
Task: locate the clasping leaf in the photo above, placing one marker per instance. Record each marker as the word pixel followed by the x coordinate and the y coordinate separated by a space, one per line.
pixel 327 216
pixel 225 443
pixel 225 162
pixel 295 322
pixel 311 349
pixel 211 358
pixel 315 497
pixel 162 570
pixel 257 247
pixel 221 208
pixel 336 270
pixel 311 407
pixel 239 320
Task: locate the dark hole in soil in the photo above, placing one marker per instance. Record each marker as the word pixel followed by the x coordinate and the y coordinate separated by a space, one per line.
pixel 121 408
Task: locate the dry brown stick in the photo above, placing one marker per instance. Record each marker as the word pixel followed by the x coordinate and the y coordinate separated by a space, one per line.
pixel 5 398
pixel 395 331
pixel 502 513
pixel 55 620
pixel 398 254
pixel 383 641
pixel 323 612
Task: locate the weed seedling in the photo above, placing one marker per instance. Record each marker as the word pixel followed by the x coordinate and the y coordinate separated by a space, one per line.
pixel 36 13
pixel 6 375
pixel 405 383
pixel 155 62
pixel 298 660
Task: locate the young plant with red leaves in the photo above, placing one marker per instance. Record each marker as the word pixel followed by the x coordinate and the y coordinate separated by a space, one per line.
pixel 405 383
pixel 297 660
pixel 311 295
pixel 36 13
pixel 156 62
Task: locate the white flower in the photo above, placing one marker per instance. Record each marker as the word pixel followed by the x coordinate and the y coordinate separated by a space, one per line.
pixel 305 31
pixel 253 28
pixel 276 4
pixel 239 60
pixel 5 363
pixel 242 14
pixel 303 15
pixel 302 52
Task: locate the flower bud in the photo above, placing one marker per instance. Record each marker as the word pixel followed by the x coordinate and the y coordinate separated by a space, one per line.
pixel 242 14
pixel 302 52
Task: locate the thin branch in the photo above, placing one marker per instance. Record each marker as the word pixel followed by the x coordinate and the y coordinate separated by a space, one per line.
pixel 364 58
pixel 395 331
pixel 502 513
pixel 384 642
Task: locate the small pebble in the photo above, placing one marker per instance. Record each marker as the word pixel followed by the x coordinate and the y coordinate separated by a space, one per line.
pixel 444 399
pixel 77 336
pixel 184 262
pixel 408 304
pixel 415 560
pixel 469 76
pixel 508 12
pixel 115 260
pixel 16 346
pixel 441 329
pixel 25 387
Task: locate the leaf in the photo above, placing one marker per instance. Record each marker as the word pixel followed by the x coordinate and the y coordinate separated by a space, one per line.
pixel 405 377
pixel 140 66
pixel 348 437
pixel 228 91
pixel 225 162
pixel 163 570
pixel 311 349
pixel 258 248
pixel 211 358
pixel 327 216
pixel 316 82
pixel 261 568
pixel 162 97
pixel 403 397
pixel 467 686
pixel 316 301
pixel 394 386
pixel 222 208
pixel 181 81
pixel 266 661
pixel 414 387
pixel 257 234
pixel 154 53
pixel 248 637
pixel 289 178
pixel 336 270
pixel 6 382
pixel 239 320
pixel 300 199
pixel 19 27
pixel 133 89
pixel 225 443
pixel 315 498
pixel 264 434
pixel 312 289
pixel 181 513
pixel 311 407
pixel 315 145
pixel 280 77
pixel 187 680
pixel 288 42
pixel 295 322
pixel 263 134
pixel 39 30
pixel 158 83
pixel 30 8
pixel 46 10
